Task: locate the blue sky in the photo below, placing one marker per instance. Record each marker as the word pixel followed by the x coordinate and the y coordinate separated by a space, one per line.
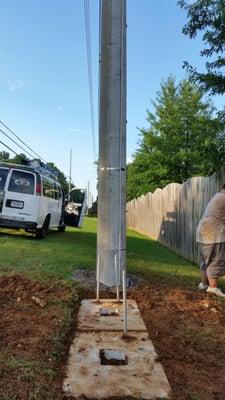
pixel 43 73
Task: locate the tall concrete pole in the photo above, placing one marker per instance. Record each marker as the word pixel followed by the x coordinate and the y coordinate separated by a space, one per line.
pixel 111 243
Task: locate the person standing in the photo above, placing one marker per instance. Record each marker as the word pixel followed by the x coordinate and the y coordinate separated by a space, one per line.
pixel 210 236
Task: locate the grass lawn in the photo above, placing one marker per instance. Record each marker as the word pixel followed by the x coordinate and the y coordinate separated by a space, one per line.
pixel 57 256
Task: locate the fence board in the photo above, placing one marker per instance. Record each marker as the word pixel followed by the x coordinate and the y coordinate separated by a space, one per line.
pixel 171 215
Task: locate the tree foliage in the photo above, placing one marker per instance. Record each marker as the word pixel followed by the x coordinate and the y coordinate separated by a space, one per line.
pixel 183 140
pixel 4 155
pixel 20 159
pixel 207 17
pixel 61 177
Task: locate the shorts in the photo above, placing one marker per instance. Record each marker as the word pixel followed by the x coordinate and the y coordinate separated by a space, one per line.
pixel 212 259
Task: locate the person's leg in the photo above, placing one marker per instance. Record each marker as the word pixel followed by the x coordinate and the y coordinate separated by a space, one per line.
pixel 203 285
pixel 204 278
pixel 216 268
pixel 213 281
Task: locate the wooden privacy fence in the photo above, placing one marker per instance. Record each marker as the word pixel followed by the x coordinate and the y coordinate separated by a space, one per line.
pixel 171 215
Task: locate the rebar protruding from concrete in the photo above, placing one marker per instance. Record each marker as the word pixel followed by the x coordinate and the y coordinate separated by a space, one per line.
pixel 124 304
pixel 117 279
pixel 98 278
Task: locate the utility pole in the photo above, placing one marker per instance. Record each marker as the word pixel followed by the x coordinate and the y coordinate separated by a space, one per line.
pixel 70 179
pixel 111 243
pixel 88 194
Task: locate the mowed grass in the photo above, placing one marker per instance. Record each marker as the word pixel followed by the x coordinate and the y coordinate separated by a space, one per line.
pixel 57 256
pixel 54 257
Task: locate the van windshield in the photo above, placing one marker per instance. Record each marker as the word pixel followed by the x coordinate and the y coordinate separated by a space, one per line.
pixel 21 182
pixel 3 176
pixel 77 196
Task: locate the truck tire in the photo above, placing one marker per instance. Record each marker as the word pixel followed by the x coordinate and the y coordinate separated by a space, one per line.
pixel 42 232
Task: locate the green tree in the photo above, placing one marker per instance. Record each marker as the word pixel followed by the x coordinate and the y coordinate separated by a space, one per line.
pixel 4 156
pixel 20 159
pixel 183 140
pixel 207 17
pixel 61 177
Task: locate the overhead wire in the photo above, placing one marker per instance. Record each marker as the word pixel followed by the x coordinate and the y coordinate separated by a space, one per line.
pixel 89 68
pixel 12 140
pixel 5 145
pixel 17 137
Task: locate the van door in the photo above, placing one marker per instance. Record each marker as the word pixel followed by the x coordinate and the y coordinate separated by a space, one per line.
pixel 3 177
pixel 75 208
pixel 19 200
pixel 58 203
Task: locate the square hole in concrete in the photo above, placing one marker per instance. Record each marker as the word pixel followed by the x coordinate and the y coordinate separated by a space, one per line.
pixel 113 357
pixel 106 312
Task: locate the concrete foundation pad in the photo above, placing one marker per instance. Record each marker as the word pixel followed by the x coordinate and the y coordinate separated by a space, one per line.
pixel 90 319
pixel 104 364
pixel 142 378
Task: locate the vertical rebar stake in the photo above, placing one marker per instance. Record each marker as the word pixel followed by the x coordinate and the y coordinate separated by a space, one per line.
pixel 117 279
pixel 98 277
pixel 124 304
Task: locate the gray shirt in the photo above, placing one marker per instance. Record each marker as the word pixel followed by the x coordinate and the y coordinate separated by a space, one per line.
pixel 211 228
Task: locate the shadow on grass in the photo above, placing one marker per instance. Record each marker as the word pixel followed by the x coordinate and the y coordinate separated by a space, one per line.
pixel 16 234
pixel 20 233
pixel 158 264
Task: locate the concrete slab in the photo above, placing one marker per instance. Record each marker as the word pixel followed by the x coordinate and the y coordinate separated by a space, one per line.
pixel 90 319
pixel 137 373
pixel 142 378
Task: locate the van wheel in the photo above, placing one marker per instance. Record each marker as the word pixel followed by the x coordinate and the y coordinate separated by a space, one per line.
pixel 42 232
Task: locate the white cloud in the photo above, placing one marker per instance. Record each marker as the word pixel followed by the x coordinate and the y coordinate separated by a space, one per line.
pixel 75 130
pixel 17 85
pixel 38 141
pixel 13 85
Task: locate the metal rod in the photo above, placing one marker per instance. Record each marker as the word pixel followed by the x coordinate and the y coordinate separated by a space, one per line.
pixel 124 304
pixel 117 279
pixel 98 277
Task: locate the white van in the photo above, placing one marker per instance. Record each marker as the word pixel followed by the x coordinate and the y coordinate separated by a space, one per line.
pixel 33 201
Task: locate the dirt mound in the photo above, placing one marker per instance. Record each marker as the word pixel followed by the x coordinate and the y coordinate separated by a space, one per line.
pixel 31 338
pixel 188 331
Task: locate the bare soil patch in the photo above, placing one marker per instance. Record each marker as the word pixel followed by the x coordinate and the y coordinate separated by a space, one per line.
pixel 188 331
pixel 34 340
pixel 186 327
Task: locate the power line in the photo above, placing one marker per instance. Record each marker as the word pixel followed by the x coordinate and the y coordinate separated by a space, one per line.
pixel 12 140
pixel 9 148
pixel 89 68
pixel 13 133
